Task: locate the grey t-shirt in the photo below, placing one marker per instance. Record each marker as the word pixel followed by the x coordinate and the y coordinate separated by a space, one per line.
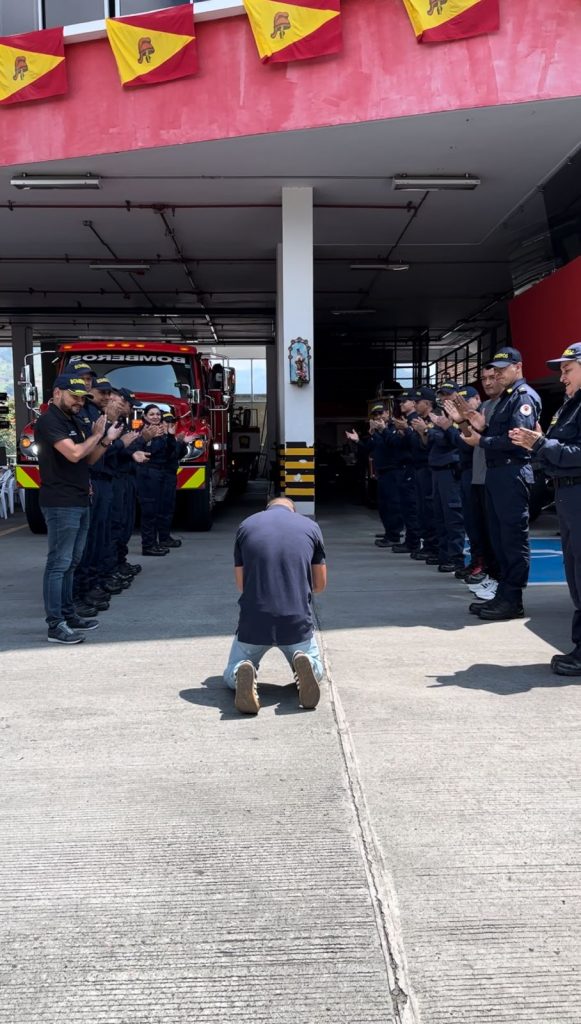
pixel 479 458
pixel 277 548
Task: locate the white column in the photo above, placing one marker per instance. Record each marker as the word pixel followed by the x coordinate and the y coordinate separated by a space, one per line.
pixel 295 320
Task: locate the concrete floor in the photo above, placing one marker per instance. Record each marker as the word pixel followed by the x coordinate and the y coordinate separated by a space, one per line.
pixel 408 852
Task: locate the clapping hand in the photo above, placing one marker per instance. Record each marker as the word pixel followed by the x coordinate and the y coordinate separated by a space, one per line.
pixel 453 412
pixel 524 438
pixel 352 435
pixel 476 420
pixel 129 437
pixel 440 421
pixel 140 457
pixel 471 438
pixel 98 428
pixel 115 431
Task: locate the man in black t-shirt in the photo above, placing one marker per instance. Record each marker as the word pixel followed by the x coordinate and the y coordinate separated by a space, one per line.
pixel 279 562
pixel 64 456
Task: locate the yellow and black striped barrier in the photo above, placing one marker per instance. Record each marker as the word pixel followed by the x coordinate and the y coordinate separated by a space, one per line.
pixel 298 469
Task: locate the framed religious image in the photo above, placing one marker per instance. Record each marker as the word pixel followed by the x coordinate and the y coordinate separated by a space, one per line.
pixel 299 358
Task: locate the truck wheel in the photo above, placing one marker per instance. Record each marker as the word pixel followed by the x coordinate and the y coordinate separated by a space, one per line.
pixel 33 511
pixel 198 508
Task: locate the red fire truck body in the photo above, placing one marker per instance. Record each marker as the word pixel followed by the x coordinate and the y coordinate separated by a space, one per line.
pixel 176 378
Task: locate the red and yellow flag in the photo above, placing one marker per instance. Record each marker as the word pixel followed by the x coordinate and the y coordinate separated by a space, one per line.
pixel 439 21
pixel 32 66
pixel 295 31
pixel 156 47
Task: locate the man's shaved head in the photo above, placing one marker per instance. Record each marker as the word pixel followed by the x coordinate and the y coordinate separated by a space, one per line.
pixel 286 502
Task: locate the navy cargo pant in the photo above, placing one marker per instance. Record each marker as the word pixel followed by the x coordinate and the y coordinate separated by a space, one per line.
pixel 448 516
pixel 425 503
pixel 122 519
pixel 507 498
pixel 93 568
pixel 150 482
pixel 388 504
pixel 409 507
pixel 568 505
pixel 168 504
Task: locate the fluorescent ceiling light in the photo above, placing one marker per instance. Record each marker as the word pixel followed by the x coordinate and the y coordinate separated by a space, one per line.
pixel 434 182
pixel 352 312
pixel 26 181
pixel 136 267
pixel 380 266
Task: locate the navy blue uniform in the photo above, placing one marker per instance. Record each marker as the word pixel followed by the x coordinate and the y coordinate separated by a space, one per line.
pixel 444 463
pixel 424 487
pixel 92 568
pixel 560 456
pixel 175 451
pixel 151 481
pixel 385 465
pixel 509 476
pixel 123 504
pixel 407 488
pixel 466 454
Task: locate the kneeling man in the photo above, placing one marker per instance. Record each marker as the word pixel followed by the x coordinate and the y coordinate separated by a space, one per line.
pixel 279 562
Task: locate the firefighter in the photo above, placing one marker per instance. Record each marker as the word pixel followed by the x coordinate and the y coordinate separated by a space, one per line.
pixel 559 453
pixel 176 449
pixel 416 414
pixel 385 466
pixel 150 481
pixel 401 442
pixel 444 463
pixel 93 583
pixel 509 477
pixel 124 491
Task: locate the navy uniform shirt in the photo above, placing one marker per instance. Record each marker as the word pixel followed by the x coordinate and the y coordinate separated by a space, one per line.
pixel 518 406
pixel 380 448
pixel 441 450
pixel 418 450
pixel 560 451
pixel 276 549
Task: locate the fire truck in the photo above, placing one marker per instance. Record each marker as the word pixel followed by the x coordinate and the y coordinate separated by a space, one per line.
pixel 178 379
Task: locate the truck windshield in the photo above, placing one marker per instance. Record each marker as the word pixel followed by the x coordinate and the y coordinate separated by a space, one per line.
pixel 143 372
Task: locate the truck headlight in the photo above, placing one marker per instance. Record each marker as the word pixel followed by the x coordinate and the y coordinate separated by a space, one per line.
pixel 194 449
pixel 28 447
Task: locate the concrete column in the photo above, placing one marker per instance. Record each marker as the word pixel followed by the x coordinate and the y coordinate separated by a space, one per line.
pixel 22 346
pixel 295 320
pixel 272 433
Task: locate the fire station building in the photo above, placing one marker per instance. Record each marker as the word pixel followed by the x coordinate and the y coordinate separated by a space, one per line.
pixel 385 214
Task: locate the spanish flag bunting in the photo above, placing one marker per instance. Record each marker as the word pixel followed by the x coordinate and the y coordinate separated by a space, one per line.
pixel 296 31
pixel 155 47
pixel 439 21
pixel 32 66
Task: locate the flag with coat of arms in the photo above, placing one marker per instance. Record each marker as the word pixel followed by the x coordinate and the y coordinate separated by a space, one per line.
pixel 32 66
pixel 439 21
pixel 155 47
pixel 295 31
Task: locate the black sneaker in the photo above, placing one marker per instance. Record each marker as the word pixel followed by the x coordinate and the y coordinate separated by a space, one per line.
pixel 119 581
pixel 86 610
pixel 419 556
pixel 432 560
pixel 446 567
pixel 156 551
pixel 170 542
pixel 384 543
pixel 78 622
pixel 63 634
pixel 134 566
pixel 95 594
pixel 401 549
pixel 309 690
pixel 111 587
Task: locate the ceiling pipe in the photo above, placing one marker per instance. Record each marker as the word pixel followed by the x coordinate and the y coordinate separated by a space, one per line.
pixel 127 207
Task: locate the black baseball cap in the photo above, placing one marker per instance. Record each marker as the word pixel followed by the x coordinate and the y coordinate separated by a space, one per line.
pixel 101 384
pixel 469 392
pixel 425 394
pixel 169 417
pixel 378 407
pixel 67 382
pixel 447 388
pixel 571 354
pixel 126 394
pixel 505 357
pixel 76 368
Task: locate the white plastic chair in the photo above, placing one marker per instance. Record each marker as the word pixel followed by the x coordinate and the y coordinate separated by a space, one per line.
pixel 4 496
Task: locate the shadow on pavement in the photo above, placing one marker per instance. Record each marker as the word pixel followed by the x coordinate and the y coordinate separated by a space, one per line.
pixel 505 680
pixel 214 693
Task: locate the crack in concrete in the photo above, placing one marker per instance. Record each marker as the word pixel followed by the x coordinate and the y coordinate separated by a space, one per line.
pixel 380 885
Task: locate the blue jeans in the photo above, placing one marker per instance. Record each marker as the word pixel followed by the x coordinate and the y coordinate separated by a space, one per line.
pixel 67 536
pixel 255 652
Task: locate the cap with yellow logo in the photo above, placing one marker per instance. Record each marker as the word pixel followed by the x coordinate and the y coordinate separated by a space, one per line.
pixel 503 358
pixel 571 354
pixel 76 385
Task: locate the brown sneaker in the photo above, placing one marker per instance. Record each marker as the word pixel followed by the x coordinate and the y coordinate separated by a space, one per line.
pixel 246 699
pixel 309 692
